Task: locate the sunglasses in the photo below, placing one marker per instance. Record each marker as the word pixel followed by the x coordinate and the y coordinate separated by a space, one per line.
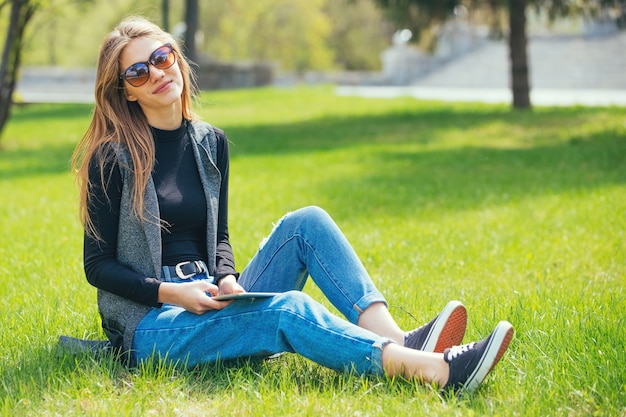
pixel 139 73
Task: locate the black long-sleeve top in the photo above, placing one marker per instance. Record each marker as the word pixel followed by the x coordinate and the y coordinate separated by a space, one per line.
pixel 182 207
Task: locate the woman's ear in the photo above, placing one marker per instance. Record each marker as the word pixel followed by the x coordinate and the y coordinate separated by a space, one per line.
pixel 130 97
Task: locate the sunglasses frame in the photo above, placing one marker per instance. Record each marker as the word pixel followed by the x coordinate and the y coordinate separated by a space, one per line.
pixel 150 61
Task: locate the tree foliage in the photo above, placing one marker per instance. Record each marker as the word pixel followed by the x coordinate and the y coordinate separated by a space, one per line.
pixel 295 34
pixel 292 32
pixel 359 33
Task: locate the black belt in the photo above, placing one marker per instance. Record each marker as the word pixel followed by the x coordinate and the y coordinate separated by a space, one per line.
pixel 186 270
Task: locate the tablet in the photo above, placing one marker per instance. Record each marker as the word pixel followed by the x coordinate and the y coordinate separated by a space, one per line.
pixel 244 296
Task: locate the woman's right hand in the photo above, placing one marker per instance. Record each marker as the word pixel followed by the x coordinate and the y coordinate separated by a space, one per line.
pixel 192 296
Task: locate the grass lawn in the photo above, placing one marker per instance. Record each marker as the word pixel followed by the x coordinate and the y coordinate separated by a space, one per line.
pixel 520 215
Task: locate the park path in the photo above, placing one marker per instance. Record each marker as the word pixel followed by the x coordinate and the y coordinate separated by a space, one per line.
pixel 556 62
pixel 564 70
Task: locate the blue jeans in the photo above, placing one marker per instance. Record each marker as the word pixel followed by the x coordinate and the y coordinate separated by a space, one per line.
pixel 303 243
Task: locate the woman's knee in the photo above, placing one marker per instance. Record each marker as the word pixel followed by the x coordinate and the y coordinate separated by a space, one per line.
pixel 298 303
pixel 310 218
pixel 294 298
pixel 314 213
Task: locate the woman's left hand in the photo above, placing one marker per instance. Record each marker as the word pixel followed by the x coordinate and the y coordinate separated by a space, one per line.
pixel 229 285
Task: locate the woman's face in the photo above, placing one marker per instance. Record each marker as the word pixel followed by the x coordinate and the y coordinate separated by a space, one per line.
pixel 163 88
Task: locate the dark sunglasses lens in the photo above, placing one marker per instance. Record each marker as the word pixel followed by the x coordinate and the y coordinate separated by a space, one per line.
pixel 137 74
pixel 163 57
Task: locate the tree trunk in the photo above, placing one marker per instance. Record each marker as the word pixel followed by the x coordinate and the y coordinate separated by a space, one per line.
pixel 21 13
pixel 165 12
pixel 517 49
pixel 191 20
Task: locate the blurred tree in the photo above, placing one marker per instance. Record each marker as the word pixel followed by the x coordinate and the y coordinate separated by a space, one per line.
pixel 420 15
pixel 191 29
pixel 359 34
pixel 518 55
pixel 294 33
pixel 69 32
pixel 165 15
pixel 20 15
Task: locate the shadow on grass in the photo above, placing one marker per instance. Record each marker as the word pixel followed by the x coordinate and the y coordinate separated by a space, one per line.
pixel 399 179
pixel 42 156
pixel 421 126
pixel 458 177
pixel 48 160
pixel 42 112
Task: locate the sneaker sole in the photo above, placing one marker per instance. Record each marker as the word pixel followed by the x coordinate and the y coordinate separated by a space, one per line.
pixel 448 330
pixel 498 344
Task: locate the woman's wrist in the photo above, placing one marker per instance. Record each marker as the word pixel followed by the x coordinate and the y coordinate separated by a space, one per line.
pixel 167 293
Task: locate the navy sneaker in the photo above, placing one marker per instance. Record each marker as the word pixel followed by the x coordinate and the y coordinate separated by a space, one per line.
pixel 444 331
pixel 470 364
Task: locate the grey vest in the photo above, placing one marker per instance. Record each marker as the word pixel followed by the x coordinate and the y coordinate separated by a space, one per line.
pixel 139 243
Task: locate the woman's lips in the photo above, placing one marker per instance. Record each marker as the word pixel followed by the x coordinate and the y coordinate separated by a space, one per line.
pixel 162 87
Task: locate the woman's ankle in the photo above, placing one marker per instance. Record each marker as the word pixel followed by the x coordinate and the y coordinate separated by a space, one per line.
pixel 426 367
pixel 376 318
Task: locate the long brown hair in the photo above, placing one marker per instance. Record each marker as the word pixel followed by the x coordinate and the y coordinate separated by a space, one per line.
pixel 117 120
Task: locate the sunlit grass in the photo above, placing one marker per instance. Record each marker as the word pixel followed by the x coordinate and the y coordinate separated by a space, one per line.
pixel 521 215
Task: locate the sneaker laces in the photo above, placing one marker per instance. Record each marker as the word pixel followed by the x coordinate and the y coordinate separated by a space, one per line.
pixel 456 351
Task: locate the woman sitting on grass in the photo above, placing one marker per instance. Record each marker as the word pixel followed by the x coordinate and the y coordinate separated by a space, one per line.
pixel 154 204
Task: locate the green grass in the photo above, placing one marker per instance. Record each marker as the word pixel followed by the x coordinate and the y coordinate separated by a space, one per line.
pixel 521 215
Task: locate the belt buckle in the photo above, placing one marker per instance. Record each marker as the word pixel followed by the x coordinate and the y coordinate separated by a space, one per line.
pixel 182 275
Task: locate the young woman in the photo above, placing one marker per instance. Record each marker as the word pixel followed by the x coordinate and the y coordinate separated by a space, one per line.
pixel 154 204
